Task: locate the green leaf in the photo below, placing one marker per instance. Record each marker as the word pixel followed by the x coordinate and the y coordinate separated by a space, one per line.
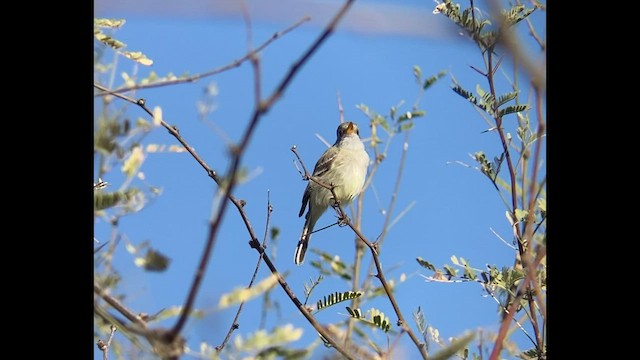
pixel 331 264
pixel 336 298
pixel 108 23
pixel 280 352
pixel 521 214
pixel 373 116
pixel 450 272
pixel 373 317
pixel 417 73
pixel 108 40
pixel 138 57
pixel 425 264
pixel 406 126
pixel 243 294
pixel 354 312
pixel 153 261
pixel 516 14
pixel 365 109
pixel 421 322
pixel 467 95
pixel 410 115
pixel 486 167
pixel 531 354
pixel 382 122
pixel 392 112
pixel 480 91
pixel 542 204
pixel 469 272
pixel 431 80
pixel 175 311
pixel 263 339
pixel 274 233
pixel 489 102
pixel 382 322
pixel 454 347
pixel 512 109
pixel 104 200
pixel 505 98
pixel 134 161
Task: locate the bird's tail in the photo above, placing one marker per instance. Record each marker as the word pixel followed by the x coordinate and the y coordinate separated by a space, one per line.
pixel 301 249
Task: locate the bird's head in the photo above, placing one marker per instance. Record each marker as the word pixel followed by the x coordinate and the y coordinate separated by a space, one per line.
pixel 347 129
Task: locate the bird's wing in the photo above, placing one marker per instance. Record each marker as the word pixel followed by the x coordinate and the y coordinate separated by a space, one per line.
pixel 305 200
pixel 325 162
pixel 323 165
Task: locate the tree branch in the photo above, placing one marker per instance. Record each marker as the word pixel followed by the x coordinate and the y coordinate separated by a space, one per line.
pixel 104 347
pixel 236 63
pixel 235 324
pixel 120 307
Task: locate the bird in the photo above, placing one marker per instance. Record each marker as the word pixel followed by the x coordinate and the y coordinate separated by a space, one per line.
pixel 344 165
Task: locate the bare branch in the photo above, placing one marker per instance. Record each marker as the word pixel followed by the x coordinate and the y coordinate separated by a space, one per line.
pixel 235 324
pixel 314 47
pixel 232 65
pixel 104 347
pixel 380 275
pixel 120 307
pixel 396 189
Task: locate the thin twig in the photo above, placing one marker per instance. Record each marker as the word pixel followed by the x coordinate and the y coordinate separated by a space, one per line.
pixel 501 239
pixel 115 239
pixel 120 307
pixel 380 275
pixel 215 71
pixel 104 347
pixel 386 225
pixel 247 22
pixel 128 330
pixel 402 213
pixel 319 328
pixel 305 57
pixel 505 148
pixel 235 324
pixel 396 189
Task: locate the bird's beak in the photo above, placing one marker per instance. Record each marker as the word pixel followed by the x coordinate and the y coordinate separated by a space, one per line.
pixel 351 129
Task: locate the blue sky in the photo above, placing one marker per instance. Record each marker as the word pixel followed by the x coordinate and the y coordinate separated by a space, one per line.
pixel 455 206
